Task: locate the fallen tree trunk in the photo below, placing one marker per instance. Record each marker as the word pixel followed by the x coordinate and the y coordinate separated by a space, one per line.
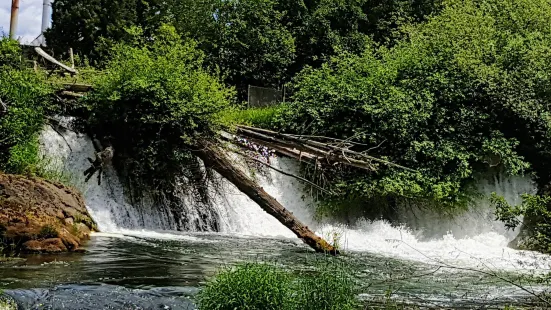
pixel 214 158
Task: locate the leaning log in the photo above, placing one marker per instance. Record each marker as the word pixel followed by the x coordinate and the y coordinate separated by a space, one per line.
pixel 214 158
pixel 42 53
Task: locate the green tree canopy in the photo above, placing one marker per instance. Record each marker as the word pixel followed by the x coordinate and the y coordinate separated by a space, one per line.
pixel 156 101
pixel 462 93
pixel 259 42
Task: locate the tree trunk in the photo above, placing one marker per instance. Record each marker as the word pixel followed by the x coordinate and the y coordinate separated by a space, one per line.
pixel 215 158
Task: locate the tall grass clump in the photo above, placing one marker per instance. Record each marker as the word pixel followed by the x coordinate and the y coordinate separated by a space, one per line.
pixel 247 286
pixel 328 286
pixel 258 117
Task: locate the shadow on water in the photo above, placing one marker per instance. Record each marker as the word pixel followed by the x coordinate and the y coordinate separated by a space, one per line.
pixel 137 272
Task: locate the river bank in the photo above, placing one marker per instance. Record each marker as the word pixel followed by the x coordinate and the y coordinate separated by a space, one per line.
pixel 38 216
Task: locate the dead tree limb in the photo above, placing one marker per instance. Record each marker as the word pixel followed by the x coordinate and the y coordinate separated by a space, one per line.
pixel 307 148
pixel 283 172
pixel 214 158
pixel 323 149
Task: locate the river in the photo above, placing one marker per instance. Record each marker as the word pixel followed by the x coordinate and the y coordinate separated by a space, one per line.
pixel 138 261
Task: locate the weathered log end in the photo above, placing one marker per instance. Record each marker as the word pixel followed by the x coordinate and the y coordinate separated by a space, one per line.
pixel 320 245
pixel 214 158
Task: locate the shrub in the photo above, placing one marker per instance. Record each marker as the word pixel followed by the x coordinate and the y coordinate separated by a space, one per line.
pixel 48 231
pixel 247 286
pixel 536 230
pixel 27 98
pixel 466 91
pixel 156 101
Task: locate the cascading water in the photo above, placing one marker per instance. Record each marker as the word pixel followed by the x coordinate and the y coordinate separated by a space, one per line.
pixel 471 239
pixel 68 151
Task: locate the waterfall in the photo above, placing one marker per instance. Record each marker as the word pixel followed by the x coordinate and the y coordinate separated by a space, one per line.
pixel 68 150
pixel 471 239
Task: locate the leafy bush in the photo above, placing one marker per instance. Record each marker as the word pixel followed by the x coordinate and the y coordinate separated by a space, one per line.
pixel 265 286
pixel 48 231
pixel 156 101
pixel 27 98
pixel 465 92
pixel 10 52
pixel 536 231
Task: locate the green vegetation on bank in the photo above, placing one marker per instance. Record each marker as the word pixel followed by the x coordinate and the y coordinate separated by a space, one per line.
pixel 257 117
pixel 265 286
pixel 464 94
pixel 155 101
pixel 28 99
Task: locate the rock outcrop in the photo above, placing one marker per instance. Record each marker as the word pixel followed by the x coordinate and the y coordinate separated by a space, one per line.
pixel 38 216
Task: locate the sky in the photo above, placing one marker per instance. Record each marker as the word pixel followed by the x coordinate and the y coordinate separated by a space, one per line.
pixel 30 19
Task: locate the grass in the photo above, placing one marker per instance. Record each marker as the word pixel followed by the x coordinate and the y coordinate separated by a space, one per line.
pixel 247 286
pixel 48 231
pixel 257 117
pixel 329 285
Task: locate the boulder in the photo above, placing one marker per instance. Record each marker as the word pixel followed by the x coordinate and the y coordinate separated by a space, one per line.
pixel 38 216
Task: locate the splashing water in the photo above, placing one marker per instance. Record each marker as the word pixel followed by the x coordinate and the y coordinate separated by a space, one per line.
pixel 473 239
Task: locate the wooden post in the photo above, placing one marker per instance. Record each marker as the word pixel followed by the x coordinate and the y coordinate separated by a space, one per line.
pixel 249 96
pixel 72 57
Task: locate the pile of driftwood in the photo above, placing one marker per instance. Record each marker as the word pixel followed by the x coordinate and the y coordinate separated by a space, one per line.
pixel 315 149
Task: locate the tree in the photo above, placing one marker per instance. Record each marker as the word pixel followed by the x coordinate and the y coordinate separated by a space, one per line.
pixel 463 93
pixel 251 45
pixel 92 27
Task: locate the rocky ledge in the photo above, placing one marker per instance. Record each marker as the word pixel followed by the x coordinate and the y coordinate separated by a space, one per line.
pixel 37 216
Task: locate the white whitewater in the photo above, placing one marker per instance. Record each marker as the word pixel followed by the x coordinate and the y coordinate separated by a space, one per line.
pixel 474 239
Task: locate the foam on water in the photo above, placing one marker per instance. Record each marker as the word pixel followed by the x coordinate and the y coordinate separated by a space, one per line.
pixel 473 239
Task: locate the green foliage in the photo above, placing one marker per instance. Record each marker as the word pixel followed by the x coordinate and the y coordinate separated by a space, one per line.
pixel 265 286
pixel 48 231
pixel 257 117
pixel 537 219
pixel 27 98
pixel 253 45
pixel 156 101
pixel 506 213
pixel 10 53
pixel 463 93
pixel 90 27
pixel 259 42
pixel 6 302
pixel 329 286
pixel 248 286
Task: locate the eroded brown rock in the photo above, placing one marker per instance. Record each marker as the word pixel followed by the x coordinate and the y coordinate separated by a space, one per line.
pixel 40 216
